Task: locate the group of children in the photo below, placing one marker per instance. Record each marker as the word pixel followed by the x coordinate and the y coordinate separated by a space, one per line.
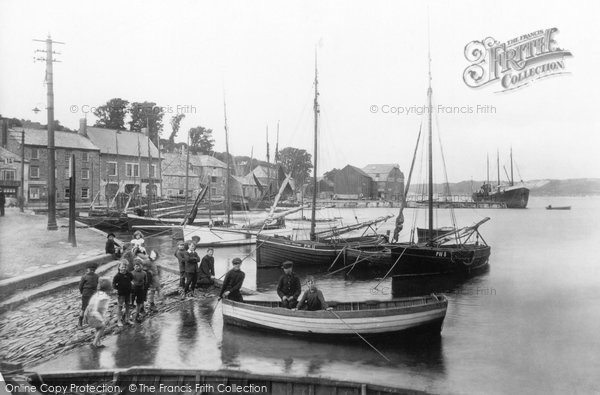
pixel 137 281
pixel 193 271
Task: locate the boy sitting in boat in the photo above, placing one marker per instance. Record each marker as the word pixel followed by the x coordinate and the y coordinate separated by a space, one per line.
pixel 312 299
pixel 289 287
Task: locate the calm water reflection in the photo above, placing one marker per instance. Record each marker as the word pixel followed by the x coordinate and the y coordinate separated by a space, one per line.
pixel 529 324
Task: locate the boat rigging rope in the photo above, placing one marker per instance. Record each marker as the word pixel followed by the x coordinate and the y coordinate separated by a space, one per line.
pixel 359 335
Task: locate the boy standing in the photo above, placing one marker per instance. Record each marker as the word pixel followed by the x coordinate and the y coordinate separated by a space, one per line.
pixel 139 284
pixel 122 283
pixel 233 282
pixel 87 287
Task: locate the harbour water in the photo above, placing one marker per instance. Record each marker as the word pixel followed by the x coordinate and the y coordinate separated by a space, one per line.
pixel 529 324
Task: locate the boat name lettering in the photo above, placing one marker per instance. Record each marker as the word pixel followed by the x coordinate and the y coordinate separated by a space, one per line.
pixel 441 253
pixel 514 63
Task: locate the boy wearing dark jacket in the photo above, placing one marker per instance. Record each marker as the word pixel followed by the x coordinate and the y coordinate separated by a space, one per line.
pixel 122 283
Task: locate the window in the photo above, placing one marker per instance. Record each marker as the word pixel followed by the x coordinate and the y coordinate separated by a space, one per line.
pixel 84 157
pixel 34 172
pixel 213 179
pixel 67 172
pixel 85 193
pixel 35 154
pixel 8 161
pixel 213 191
pixel 7 175
pixel 112 168
pixel 34 193
pixel 152 171
pixel 132 169
pixel 67 193
pixel 85 174
pixel 67 155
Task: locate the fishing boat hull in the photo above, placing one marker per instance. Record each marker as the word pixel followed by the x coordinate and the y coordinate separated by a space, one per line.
pixel 271 251
pixel 186 381
pixel 369 319
pixel 421 260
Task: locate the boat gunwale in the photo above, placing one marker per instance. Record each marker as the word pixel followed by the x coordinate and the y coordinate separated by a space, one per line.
pixel 441 303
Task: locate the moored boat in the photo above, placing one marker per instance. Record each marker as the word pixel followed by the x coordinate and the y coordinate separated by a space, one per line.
pixel 345 319
pixel 551 207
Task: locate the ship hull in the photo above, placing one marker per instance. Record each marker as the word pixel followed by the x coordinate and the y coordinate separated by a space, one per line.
pixel 513 197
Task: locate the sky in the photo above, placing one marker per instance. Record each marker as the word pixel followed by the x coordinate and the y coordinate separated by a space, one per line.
pixel 259 57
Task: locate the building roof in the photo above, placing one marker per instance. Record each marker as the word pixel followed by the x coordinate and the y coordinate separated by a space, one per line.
pixel 4 153
pixel 39 137
pixel 130 143
pixel 262 171
pixel 381 169
pixel 360 171
pixel 206 161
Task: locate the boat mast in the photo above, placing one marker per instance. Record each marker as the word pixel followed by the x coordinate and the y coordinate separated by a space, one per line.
pixel 227 192
pixel 487 180
pixel 187 172
pixel 430 150
pixel 316 112
pixel 498 164
pixel 512 179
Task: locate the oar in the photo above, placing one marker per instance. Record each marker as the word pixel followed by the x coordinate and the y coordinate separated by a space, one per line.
pixel 392 268
pixel 214 309
pixel 359 335
pixel 347 266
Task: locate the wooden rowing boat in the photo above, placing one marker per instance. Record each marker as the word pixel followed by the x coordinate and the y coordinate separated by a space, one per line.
pixel 185 382
pixel 368 318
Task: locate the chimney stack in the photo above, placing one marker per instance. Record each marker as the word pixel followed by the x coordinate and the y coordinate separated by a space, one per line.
pixel 83 127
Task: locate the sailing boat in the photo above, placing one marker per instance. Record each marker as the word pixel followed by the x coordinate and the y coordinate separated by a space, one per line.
pixel 443 252
pixel 513 196
pixel 324 247
pixel 230 234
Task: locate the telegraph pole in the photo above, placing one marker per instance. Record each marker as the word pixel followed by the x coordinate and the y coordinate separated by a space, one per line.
pixel 22 197
pixel 51 149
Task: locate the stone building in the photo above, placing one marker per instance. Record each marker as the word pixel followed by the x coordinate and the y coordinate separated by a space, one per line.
pixel 10 174
pixel 129 161
pixel 388 181
pixel 87 157
pixel 203 170
pixel 353 183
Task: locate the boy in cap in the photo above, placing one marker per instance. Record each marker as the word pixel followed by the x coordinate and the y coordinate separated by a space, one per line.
pixel 233 282
pixel 87 287
pixel 289 287
pixel 112 247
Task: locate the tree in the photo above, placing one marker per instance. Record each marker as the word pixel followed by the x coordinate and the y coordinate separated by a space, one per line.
pixel 112 114
pixel 201 140
pixel 146 113
pixel 296 162
pixel 175 124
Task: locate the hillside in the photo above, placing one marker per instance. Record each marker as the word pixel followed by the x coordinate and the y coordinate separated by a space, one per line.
pixel 569 187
